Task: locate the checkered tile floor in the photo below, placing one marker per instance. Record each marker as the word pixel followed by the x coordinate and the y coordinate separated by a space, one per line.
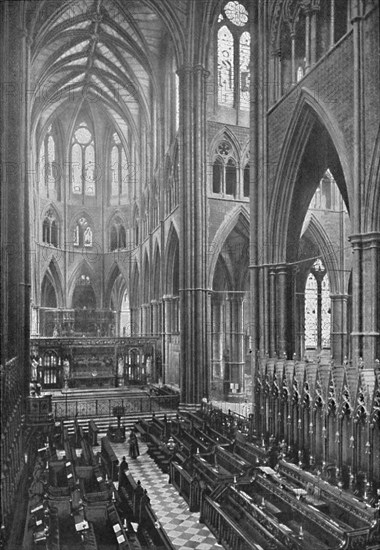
pixel 182 527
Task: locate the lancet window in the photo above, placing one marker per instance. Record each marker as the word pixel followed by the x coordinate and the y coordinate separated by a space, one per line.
pixel 317 308
pixel 233 56
pixel 119 168
pixel 48 165
pixel 83 167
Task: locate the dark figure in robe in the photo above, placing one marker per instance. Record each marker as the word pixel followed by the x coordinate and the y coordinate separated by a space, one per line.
pixel 133 445
pixel 123 468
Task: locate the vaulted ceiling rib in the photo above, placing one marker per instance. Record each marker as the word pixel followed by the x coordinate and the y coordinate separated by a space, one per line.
pixel 98 47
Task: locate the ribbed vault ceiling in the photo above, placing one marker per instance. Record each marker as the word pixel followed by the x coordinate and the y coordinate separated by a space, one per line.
pixel 96 50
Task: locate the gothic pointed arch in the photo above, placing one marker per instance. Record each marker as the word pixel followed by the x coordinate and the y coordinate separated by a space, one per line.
pixel 313 143
pixel 114 274
pixel 172 262
pixel 83 273
pixel 316 232
pixel 239 215
pixel 56 276
pixel 372 209
pixel 146 279
pixel 226 134
pixel 135 285
pixel 156 281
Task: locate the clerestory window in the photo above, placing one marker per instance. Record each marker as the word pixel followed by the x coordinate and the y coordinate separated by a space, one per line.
pixel 83 162
pixel 119 168
pixel 233 56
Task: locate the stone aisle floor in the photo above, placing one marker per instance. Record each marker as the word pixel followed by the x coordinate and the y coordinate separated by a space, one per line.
pixel 181 525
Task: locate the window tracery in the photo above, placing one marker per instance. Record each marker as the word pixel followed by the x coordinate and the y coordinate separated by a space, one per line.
pixel 119 168
pixel 83 162
pixel 50 228
pixel 233 56
pixel 48 165
pixel 225 170
pixel 317 308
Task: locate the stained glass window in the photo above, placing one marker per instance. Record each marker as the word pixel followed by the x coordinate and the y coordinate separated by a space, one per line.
pixel 48 167
pixel 236 13
pixel 245 44
pixel 317 308
pixel 114 171
pixel 89 170
pixel 233 48
pixel 119 168
pixel 87 241
pixel 125 172
pixel 83 168
pixel 311 312
pixel 76 168
pixel 326 312
pixel 226 78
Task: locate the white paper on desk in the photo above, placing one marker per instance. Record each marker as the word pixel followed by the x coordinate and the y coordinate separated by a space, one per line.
pixel 81 525
pixel 36 509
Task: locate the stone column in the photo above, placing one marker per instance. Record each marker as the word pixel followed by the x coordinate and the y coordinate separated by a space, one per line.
pixel 366 315
pixel 235 302
pixel 165 331
pixel 358 180
pixel 193 234
pixel 282 310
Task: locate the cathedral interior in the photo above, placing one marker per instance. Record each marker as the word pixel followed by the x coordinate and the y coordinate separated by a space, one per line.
pixel 190 252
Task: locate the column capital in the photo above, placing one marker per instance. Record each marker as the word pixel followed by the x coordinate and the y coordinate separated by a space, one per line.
pixel 365 239
pixel 282 268
pixel 188 69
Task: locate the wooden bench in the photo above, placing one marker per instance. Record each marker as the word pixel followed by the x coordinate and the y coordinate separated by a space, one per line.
pixel 109 458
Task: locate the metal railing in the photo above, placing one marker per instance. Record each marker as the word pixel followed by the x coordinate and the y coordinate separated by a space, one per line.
pixel 103 407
